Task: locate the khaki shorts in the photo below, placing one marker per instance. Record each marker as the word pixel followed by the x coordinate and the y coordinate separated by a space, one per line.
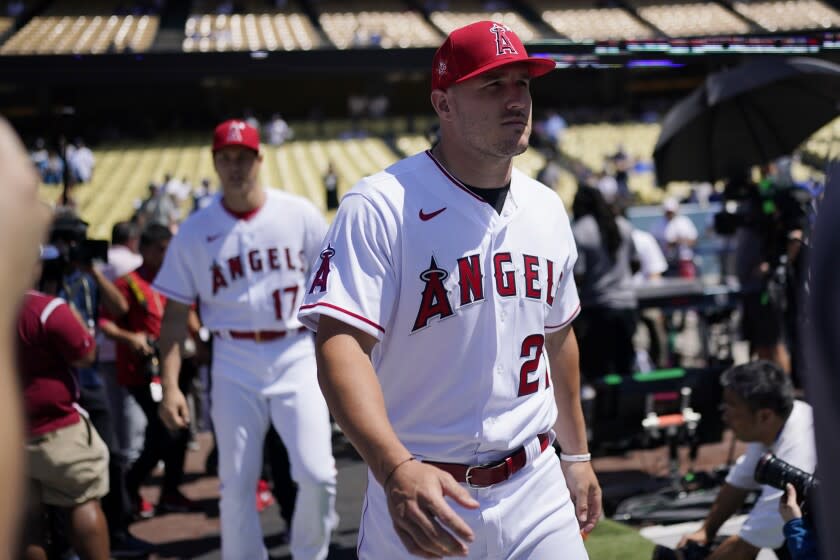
pixel 68 466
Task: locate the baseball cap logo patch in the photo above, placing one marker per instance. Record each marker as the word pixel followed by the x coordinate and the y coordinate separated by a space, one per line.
pixel 235 132
pixel 503 44
pixel 441 69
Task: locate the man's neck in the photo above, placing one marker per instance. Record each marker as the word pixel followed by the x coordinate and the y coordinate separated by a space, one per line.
pixel 242 203
pixel 146 273
pixel 774 429
pixel 481 172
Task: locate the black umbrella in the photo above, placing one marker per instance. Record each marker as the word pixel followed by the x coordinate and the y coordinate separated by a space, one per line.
pixel 746 116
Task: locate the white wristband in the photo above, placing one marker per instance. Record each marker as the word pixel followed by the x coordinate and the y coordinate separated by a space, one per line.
pixel 581 458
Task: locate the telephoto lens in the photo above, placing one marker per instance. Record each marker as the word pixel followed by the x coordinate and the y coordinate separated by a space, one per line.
pixel 777 473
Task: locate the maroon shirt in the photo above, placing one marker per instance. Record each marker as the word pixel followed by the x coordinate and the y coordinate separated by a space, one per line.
pixel 50 338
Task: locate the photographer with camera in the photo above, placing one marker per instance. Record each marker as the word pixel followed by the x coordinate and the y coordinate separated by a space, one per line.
pixel 138 369
pixel 760 409
pixel 67 460
pixel 768 226
pixel 77 277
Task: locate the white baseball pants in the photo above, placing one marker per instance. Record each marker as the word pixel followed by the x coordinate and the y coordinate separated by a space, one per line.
pixel 528 517
pixel 241 415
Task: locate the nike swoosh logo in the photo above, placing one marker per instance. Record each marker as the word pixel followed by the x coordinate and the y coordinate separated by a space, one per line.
pixel 212 238
pixel 426 217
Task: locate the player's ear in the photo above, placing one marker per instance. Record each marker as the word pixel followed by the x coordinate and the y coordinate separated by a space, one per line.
pixel 442 104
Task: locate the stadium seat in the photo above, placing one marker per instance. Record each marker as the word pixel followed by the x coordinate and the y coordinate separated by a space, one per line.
pixel 687 18
pixel 257 28
pixel 387 24
pixel 77 27
pixel 467 11
pixel 789 15
pixel 582 21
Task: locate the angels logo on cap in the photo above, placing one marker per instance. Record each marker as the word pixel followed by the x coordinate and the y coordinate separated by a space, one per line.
pixel 480 47
pixel 503 44
pixel 236 133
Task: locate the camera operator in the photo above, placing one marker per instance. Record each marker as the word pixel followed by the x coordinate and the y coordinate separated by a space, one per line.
pixel 136 332
pixel 74 278
pixel 67 459
pixel 759 407
pixel 768 227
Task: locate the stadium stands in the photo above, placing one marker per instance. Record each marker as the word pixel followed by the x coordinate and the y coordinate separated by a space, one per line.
pixel 592 144
pixel 76 27
pixel 581 21
pixel 124 171
pixel 386 24
pixel 99 26
pixel 468 11
pixel 259 28
pixel 5 25
pixel 687 18
pixel 788 15
pixel 824 145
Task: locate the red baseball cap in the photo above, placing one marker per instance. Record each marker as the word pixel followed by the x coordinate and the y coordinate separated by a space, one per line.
pixel 234 132
pixel 477 48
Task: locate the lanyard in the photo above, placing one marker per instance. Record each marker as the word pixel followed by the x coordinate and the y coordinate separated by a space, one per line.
pixel 141 297
pixel 88 297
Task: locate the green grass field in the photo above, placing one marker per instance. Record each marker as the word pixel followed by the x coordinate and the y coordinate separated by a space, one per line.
pixel 613 541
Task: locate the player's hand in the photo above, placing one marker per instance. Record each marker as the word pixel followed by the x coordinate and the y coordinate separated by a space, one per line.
pixel 586 493
pixel 789 504
pixel 699 536
pixel 425 523
pixel 139 343
pixel 173 409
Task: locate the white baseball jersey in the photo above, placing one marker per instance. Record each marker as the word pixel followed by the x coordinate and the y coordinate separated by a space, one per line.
pixel 247 273
pixel 460 299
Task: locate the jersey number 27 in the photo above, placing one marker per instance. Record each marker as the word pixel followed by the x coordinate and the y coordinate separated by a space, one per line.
pixel 532 348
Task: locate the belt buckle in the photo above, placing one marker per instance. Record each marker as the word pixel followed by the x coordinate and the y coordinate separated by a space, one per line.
pixel 468 475
pixel 257 336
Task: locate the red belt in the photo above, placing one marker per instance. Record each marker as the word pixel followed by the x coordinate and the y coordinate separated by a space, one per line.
pixel 260 336
pixel 482 476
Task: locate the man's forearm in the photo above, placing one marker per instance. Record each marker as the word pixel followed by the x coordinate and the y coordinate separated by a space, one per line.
pixel 354 396
pixel 728 500
pixel 734 548
pixel 113 300
pixel 114 332
pixel 564 359
pixel 173 331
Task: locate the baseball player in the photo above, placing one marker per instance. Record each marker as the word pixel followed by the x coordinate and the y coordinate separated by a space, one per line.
pixel 443 300
pixel 245 259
